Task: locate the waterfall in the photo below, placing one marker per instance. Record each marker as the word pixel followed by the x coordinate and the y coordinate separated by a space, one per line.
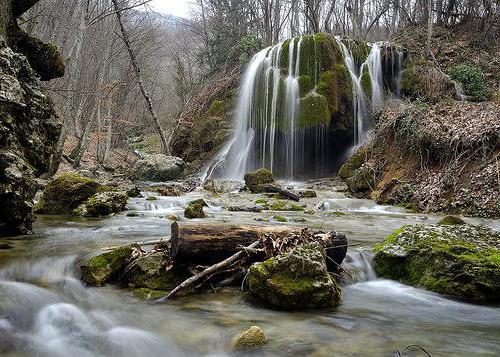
pixel 294 113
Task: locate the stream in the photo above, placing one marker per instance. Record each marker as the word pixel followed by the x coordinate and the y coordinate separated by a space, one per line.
pixel 45 310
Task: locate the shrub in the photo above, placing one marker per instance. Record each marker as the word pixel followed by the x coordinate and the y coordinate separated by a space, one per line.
pixel 472 80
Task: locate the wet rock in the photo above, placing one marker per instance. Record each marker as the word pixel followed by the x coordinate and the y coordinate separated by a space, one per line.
pixel 251 338
pixel 149 294
pixel 158 167
pixel 106 267
pixel 307 193
pixel 173 217
pixel 451 221
pixel 65 193
pixel 195 209
pixel 295 280
pixel 458 260
pixel 168 191
pixel 222 186
pixel 280 218
pixel 149 271
pixel 254 180
pixel 29 130
pixel 103 204
pixel 151 198
pixel 255 209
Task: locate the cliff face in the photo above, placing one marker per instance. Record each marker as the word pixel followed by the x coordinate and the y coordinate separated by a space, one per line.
pixel 29 130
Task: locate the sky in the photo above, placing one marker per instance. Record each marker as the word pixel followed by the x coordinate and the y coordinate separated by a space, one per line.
pixel 173 7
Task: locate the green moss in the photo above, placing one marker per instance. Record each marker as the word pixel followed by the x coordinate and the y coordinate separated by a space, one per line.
pixel 354 163
pixel 451 221
pixel 285 48
pixel 151 198
pixel 336 85
pixel 280 218
pixel 216 108
pixel 250 339
pixel 106 267
pixel 472 80
pixel 305 85
pixel 359 49
pixel 462 260
pixel 261 201
pixel 366 83
pixel 65 193
pixel 149 294
pixel 256 178
pixel 194 210
pixel 313 111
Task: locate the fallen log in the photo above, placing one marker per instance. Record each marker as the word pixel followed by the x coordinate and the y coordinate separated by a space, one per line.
pixel 209 243
pixel 211 270
pixel 273 188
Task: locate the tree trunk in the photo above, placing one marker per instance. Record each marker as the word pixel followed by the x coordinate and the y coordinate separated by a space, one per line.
pixel 430 22
pixel 137 71
pixel 210 243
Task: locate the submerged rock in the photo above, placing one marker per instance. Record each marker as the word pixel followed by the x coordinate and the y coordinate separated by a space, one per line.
pixel 251 338
pixel 254 180
pixel 458 260
pixel 451 221
pixel 65 193
pixel 295 280
pixel 222 186
pixel 158 167
pixel 195 209
pixel 106 267
pixel 103 204
pixel 29 130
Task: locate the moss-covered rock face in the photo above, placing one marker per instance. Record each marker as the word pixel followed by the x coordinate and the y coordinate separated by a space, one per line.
pixel 254 180
pixel 65 193
pixel 459 260
pixel 357 174
pixel 295 280
pixel 102 204
pixel 149 271
pixel 195 209
pixel 251 338
pixel 106 267
pixel 313 111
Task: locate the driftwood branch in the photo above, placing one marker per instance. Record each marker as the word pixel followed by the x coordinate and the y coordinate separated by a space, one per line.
pixel 214 268
pixel 271 188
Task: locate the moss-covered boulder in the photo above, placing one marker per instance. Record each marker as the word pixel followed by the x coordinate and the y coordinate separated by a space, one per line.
pixel 254 180
pixel 451 221
pixel 102 204
pixel 251 338
pixel 195 209
pixel 458 260
pixel 149 271
pixel 295 280
pixel 65 193
pixel 106 267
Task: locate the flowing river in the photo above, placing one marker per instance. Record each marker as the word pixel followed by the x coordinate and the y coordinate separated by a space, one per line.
pixel 45 310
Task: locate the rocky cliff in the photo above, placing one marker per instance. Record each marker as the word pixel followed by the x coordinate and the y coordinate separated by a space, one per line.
pixel 29 130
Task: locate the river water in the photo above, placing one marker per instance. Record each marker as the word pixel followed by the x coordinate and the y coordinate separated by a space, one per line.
pixel 46 311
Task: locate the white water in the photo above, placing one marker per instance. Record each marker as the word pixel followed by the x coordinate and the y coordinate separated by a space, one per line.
pixel 266 132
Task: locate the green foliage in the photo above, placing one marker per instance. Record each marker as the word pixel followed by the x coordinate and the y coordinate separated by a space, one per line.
pixel 472 80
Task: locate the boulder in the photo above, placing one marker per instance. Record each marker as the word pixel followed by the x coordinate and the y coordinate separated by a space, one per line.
pixel 29 131
pixel 222 186
pixel 451 221
pixel 254 180
pixel 307 194
pixel 195 209
pixel 149 271
pixel 457 260
pixel 65 193
pixel 251 338
pixel 106 267
pixel 295 280
pixel 158 167
pixel 103 204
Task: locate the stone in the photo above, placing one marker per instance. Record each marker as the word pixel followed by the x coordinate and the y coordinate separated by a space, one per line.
pixel 29 131
pixel 307 193
pixel 251 338
pixel 103 204
pixel 158 168
pixel 106 267
pixel 149 271
pixel 451 221
pixel 65 193
pixel 222 186
pixel 458 260
pixel 195 209
pixel 259 177
pixel 295 280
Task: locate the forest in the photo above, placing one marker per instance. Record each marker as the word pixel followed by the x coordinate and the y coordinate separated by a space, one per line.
pixel 249 177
